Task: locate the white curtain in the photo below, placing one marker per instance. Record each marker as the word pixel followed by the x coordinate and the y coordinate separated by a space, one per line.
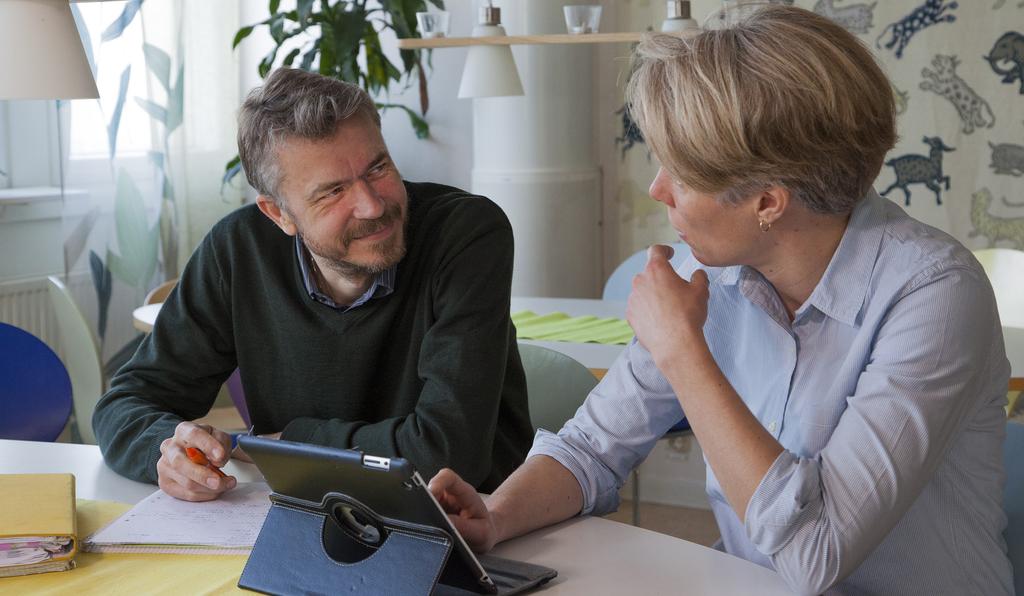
pixel 143 164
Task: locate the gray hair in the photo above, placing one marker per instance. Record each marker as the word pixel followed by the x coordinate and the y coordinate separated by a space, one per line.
pixel 293 103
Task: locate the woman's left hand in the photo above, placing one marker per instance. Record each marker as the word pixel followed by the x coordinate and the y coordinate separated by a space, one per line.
pixel 667 312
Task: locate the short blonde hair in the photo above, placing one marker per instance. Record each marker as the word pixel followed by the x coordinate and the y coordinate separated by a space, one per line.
pixel 783 97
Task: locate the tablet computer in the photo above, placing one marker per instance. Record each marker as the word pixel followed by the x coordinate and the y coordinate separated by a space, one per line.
pixel 389 487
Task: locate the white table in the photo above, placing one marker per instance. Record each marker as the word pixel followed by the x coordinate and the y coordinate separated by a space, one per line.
pixel 591 355
pixel 144 317
pixel 592 555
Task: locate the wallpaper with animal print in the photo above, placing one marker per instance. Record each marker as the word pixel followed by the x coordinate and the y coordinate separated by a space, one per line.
pixel 957 68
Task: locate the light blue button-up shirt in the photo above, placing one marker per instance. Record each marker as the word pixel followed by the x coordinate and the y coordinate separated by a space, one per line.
pixel 887 392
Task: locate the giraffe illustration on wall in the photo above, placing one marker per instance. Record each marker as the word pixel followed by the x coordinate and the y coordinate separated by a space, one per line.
pixel 918 169
pixel 930 13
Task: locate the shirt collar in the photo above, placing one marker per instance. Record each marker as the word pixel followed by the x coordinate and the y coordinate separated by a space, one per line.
pixel 841 291
pixel 383 283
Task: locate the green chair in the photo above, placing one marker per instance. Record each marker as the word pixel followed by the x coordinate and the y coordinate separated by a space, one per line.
pixel 556 385
pixel 1013 501
pixel 81 358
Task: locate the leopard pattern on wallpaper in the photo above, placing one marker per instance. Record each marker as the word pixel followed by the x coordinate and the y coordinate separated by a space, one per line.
pixel 992 228
pixel 932 12
pixel 943 81
pixel 855 18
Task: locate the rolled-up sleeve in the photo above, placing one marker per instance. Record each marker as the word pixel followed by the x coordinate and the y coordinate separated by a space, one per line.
pixel 936 359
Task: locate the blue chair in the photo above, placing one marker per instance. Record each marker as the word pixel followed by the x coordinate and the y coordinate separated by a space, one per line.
pixel 35 389
pixel 618 287
pixel 620 282
pixel 1013 501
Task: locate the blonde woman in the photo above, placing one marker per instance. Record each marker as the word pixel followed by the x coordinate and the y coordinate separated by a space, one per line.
pixel 841 364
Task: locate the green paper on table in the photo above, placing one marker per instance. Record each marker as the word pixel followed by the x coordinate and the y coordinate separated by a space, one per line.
pixel 559 326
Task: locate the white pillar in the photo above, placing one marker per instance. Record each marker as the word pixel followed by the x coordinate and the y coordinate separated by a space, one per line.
pixel 534 156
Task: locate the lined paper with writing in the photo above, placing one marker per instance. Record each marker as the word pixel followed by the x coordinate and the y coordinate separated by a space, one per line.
pixel 162 524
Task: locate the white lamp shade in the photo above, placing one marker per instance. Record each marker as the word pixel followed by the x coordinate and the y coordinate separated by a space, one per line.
pixel 490 71
pixel 42 53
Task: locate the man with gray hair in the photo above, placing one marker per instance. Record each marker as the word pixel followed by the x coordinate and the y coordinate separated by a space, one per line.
pixel 361 311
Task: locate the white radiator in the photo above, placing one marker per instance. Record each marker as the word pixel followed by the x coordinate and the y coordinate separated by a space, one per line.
pixel 25 303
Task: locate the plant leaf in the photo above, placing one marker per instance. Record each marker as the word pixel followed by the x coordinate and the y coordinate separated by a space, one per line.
pixel 377 72
pixel 304 9
pixel 115 118
pixel 277 28
pixel 103 283
pixel 290 58
pixel 119 269
pixel 159 63
pixel 169 238
pixel 155 111
pixel 242 34
pixel 419 125
pixel 267 62
pixel 157 157
pixel 115 29
pixel 421 75
pixel 231 169
pixel 309 56
pixel 327 45
pixel 74 246
pixel 83 34
pixel 136 240
pixel 176 102
pixel 274 5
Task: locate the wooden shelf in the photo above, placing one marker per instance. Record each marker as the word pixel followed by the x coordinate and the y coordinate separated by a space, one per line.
pixel 508 40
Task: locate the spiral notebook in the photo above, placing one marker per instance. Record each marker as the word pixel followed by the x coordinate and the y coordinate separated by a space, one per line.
pixel 162 524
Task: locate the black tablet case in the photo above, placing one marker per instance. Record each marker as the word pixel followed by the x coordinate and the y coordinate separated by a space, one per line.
pixel 305 546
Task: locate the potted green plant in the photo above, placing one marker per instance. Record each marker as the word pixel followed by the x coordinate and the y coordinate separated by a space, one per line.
pixel 328 36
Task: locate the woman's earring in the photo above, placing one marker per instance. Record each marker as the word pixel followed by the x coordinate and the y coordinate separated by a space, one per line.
pixel 764 225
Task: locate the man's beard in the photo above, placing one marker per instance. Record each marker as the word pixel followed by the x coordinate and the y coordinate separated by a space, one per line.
pixel 389 251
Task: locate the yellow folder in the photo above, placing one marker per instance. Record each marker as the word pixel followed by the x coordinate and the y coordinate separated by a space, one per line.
pixel 41 509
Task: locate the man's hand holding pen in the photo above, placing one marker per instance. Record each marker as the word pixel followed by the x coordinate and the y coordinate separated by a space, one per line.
pixel 180 476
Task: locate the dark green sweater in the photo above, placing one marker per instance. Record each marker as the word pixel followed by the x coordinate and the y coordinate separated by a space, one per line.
pixel 430 372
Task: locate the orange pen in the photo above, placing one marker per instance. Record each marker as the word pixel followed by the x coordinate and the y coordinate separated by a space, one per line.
pixel 198 457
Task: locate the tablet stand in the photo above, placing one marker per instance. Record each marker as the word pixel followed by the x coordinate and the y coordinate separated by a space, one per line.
pixel 316 548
